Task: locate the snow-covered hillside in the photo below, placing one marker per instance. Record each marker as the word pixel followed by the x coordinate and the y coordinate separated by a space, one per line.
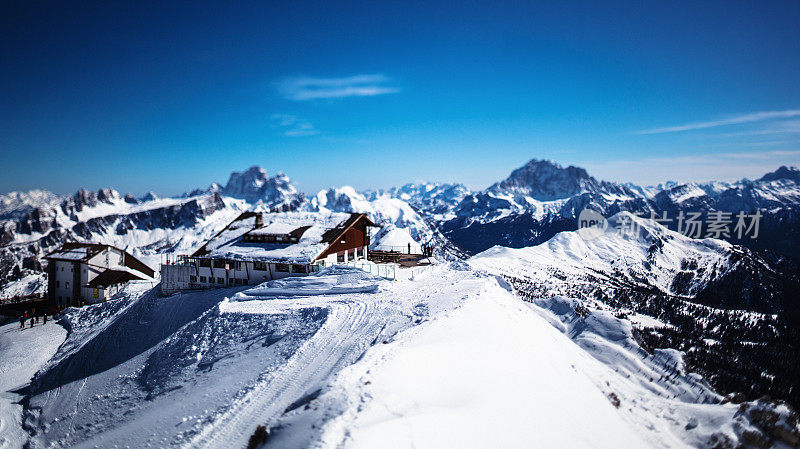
pixel 731 309
pixel 482 364
pixel 22 354
pixel 341 359
pixel 633 250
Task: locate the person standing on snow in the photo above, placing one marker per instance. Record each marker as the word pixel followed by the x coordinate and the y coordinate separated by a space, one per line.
pixel 22 321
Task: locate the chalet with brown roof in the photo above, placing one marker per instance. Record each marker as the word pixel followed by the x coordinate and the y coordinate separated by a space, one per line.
pixel 258 247
pixel 87 273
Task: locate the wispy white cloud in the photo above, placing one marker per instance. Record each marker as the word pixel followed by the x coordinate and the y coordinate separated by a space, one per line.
pixel 763 154
pixel 700 167
pixel 307 88
pixel 733 120
pixel 779 127
pixel 293 126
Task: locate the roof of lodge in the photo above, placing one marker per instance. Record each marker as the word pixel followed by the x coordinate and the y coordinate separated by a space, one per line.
pixel 315 233
pixel 113 276
pixel 83 251
pixel 76 251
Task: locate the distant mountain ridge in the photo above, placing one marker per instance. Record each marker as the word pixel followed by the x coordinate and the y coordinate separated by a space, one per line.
pixel 35 222
pixel 543 198
pixel 535 202
pixel 436 199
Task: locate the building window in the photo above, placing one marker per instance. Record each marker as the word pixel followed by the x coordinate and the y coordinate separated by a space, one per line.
pixel 351 254
pixel 203 279
pixel 58 284
pixel 219 263
pixel 260 266
pixel 361 251
pixel 220 280
pixel 66 284
pixel 282 267
pixel 205 263
pixel 340 257
pixel 192 278
pixel 298 268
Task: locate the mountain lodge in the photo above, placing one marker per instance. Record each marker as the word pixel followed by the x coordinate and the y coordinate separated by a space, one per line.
pixel 250 250
pixel 90 272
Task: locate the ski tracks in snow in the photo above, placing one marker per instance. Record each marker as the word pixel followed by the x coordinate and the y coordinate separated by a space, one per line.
pixel 354 322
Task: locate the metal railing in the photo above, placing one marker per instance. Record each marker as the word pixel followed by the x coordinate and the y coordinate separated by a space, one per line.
pixel 403 249
pixel 386 271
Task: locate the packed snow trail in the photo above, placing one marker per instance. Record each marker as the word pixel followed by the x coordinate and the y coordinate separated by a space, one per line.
pixel 22 353
pixel 353 324
pixel 197 369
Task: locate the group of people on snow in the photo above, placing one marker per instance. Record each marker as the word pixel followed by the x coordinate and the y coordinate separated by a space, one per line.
pixel 33 317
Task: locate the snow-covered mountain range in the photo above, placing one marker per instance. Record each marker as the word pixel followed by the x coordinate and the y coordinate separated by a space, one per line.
pixel 543 198
pixel 733 310
pixel 38 221
pixel 529 207
pixel 437 200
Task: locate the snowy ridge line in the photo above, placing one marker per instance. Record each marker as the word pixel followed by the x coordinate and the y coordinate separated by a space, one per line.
pixel 382 401
pixel 350 326
pixel 74 327
pixel 685 301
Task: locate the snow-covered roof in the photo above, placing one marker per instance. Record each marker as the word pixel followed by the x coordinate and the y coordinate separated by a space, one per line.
pixel 66 253
pixel 276 228
pixel 83 251
pixel 230 244
pixel 77 251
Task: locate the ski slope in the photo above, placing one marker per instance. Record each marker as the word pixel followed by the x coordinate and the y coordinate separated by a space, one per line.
pixel 484 369
pixel 22 353
pixel 449 357
pixel 353 323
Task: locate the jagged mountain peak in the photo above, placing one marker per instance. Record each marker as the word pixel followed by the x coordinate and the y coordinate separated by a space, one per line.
pixel 108 195
pixel 130 199
pixel 784 172
pixel 546 180
pixel 18 204
pixel 150 196
pixel 340 199
pixel 254 185
pixel 251 179
pixel 86 198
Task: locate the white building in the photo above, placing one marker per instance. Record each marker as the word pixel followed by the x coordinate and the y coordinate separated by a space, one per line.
pixel 258 247
pixel 90 272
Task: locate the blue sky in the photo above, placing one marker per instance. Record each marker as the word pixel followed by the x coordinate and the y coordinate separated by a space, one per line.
pixel 142 95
